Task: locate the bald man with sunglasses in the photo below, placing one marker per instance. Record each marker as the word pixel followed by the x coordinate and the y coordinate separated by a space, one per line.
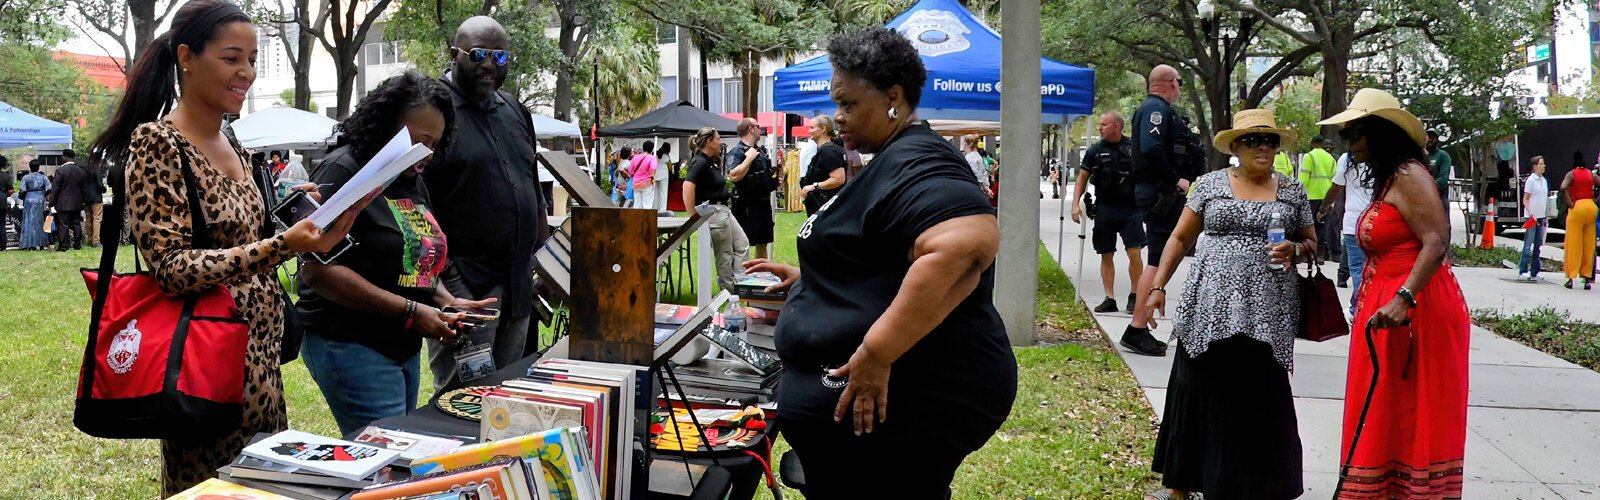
pixel 487 200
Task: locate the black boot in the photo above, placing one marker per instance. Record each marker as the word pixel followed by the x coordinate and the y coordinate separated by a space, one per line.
pixel 1107 306
pixel 1140 341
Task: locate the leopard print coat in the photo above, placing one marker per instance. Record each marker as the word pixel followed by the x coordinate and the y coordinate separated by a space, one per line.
pixel 159 213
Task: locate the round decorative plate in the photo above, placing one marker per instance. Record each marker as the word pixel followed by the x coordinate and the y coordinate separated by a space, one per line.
pixel 464 403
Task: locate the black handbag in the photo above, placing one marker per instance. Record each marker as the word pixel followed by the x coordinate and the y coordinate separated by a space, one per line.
pixel 293 329
pixel 1321 313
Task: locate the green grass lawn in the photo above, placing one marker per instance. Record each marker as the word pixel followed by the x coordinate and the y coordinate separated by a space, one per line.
pixel 1492 257
pixel 1079 428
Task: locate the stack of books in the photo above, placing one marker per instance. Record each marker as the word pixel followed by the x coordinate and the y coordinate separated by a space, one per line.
pixel 548 465
pixel 300 465
pixel 761 308
pixel 727 379
pixel 611 402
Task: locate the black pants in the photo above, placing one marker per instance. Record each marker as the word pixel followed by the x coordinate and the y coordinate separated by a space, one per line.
pixel 69 229
pixel 548 190
pixel 840 465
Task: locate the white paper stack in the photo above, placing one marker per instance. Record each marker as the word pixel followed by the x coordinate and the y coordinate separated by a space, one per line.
pixel 395 157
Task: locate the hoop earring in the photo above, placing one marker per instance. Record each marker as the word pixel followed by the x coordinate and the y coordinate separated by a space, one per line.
pixel 893 115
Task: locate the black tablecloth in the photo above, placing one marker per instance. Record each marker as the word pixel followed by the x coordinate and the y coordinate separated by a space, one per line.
pixel 740 473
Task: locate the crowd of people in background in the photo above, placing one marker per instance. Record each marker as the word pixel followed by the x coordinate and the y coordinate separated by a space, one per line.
pixel 61 209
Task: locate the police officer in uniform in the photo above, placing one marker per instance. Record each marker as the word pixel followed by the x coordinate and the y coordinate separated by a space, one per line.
pixel 1167 157
pixel 1109 165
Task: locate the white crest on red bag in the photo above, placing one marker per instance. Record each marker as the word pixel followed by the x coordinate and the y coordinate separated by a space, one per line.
pixel 124 349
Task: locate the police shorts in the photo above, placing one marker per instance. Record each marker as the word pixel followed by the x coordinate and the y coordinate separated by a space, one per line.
pixel 1114 220
pixel 1160 218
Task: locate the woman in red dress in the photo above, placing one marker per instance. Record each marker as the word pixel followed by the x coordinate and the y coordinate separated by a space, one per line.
pixel 1414 433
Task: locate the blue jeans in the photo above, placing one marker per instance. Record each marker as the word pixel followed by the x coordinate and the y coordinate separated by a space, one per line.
pixel 1531 243
pixel 1357 259
pixel 360 384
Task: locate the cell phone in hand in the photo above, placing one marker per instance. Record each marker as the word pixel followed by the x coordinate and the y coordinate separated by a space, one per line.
pixel 479 315
pixel 297 207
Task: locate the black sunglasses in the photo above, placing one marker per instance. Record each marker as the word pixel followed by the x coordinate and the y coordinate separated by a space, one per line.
pixel 1350 133
pixel 1253 141
pixel 478 54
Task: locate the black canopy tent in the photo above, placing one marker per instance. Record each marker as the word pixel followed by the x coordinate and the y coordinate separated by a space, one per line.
pixel 679 119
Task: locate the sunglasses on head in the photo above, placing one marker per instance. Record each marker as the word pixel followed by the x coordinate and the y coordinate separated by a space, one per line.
pixel 478 54
pixel 1253 141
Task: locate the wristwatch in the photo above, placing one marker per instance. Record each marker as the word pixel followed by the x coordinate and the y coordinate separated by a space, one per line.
pixel 1406 294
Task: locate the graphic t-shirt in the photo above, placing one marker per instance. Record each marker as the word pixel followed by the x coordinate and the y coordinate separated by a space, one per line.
pixel 399 248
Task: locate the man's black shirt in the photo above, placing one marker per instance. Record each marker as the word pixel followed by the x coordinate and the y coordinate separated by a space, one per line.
pixel 1110 168
pixel 1160 143
pixel 486 197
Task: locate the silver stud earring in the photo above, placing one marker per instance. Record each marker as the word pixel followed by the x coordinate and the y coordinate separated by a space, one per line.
pixel 893 115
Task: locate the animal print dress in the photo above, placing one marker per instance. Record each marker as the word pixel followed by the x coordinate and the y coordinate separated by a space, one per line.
pixel 159 213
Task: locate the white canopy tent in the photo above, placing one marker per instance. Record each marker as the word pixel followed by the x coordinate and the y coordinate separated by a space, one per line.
pixel 284 128
pixel 549 128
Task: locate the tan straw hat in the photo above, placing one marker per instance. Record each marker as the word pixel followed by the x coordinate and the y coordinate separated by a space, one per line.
pixel 1374 102
pixel 1252 121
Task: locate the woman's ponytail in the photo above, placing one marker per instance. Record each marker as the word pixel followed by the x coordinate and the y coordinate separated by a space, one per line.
pixel 152 87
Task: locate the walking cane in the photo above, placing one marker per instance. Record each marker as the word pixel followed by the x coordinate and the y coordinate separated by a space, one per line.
pixel 1361 422
pixel 1083 236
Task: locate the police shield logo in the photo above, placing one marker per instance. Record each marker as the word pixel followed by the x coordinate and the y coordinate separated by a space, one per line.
pixel 936 32
pixel 124 348
pixel 1155 118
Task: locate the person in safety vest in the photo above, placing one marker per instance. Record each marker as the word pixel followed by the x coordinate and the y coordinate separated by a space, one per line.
pixel 1316 173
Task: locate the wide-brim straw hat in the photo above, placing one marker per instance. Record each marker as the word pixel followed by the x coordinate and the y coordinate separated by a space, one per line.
pixel 1374 102
pixel 1252 121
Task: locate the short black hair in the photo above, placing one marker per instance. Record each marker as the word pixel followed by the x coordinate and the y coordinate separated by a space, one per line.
pixel 69 154
pixel 882 57
pixel 1433 134
pixel 1317 139
pixel 34 164
pixel 649 146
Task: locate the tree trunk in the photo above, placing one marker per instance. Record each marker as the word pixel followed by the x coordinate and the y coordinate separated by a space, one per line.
pixel 705 81
pixel 1336 75
pixel 144 25
pixel 346 71
pixel 564 71
pixel 752 83
pixel 302 62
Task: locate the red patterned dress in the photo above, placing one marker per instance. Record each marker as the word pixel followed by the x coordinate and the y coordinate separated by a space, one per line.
pixel 1416 429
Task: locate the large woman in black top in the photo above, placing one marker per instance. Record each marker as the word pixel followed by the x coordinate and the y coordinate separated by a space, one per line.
pixel 896 366
pixel 366 313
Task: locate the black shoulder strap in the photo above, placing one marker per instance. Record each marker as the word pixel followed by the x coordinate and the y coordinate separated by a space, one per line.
pixel 200 231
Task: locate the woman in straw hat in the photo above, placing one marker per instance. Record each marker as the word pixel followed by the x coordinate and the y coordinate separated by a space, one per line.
pixel 1230 429
pixel 1411 442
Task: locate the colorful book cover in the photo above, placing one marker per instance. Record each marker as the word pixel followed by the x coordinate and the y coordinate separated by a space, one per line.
pixel 507 415
pixel 411 446
pixel 564 474
pixel 325 455
pixel 217 488
pixel 506 478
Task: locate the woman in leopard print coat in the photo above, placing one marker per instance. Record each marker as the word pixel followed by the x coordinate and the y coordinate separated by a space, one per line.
pixel 209 54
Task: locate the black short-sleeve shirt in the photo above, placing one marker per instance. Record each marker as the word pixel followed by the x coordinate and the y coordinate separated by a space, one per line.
pixel 399 248
pixel 959 381
pixel 710 184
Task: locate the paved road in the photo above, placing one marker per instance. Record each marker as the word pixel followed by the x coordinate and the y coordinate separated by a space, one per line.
pixel 1534 420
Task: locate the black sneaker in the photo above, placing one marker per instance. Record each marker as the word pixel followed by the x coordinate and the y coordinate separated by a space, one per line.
pixel 1108 306
pixel 1132 298
pixel 1343 284
pixel 1140 341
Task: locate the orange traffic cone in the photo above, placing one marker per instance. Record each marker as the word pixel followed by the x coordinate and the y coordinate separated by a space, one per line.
pixel 1488 226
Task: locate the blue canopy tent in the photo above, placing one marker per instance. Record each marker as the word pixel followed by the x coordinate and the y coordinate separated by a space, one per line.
pixel 19 128
pixel 963 60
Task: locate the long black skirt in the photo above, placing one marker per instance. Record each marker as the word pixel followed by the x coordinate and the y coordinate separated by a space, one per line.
pixel 1229 430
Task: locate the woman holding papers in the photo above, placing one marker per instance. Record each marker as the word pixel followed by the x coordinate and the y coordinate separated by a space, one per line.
pixel 208 58
pixel 896 366
pixel 367 312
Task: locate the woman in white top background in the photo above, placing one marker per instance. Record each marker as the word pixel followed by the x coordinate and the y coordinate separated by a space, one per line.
pixel 1535 204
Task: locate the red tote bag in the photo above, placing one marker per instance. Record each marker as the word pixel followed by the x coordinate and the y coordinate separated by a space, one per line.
pixel 157 366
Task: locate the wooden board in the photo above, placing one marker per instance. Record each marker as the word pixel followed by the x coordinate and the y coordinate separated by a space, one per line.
pixel 578 183
pixel 613 285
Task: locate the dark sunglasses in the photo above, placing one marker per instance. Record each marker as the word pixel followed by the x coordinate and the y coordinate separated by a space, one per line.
pixel 1351 133
pixel 478 54
pixel 1253 141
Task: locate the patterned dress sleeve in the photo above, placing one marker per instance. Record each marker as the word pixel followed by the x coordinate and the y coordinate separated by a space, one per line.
pixel 159 214
pixel 1302 204
pixel 1204 190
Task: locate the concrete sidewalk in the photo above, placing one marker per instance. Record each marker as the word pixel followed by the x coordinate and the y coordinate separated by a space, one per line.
pixel 1533 419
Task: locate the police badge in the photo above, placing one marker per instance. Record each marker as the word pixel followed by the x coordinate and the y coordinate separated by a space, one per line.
pixel 1155 118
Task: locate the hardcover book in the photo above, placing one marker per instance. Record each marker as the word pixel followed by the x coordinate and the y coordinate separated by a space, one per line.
pixel 324 455
pixel 217 488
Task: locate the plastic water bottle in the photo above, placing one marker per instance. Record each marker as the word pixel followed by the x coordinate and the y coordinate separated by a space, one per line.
pixel 1275 235
pixel 733 320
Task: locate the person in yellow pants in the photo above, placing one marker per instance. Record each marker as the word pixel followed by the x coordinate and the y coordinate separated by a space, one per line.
pixel 1578 189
